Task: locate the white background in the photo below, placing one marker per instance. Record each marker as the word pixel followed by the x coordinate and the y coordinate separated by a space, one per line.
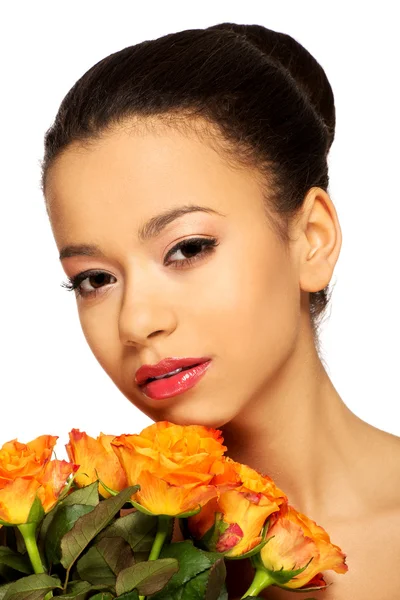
pixel 50 381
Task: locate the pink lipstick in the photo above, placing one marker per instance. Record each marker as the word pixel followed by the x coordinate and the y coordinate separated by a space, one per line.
pixel 171 376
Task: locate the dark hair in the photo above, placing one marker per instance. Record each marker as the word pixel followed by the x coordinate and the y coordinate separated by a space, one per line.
pixel 265 94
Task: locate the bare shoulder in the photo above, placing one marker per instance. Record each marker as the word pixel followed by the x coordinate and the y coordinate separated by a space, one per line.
pixel 386 468
pixel 370 537
pixel 373 459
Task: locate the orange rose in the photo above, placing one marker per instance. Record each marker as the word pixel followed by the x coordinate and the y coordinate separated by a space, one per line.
pixel 26 472
pixel 16 500
pixel 52 482
pixel 21 460
pixel 173 464
pixel 96 455
pixel 295 541
pixel 233 522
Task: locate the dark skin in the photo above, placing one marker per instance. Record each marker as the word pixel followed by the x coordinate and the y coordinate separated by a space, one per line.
pixel 267 389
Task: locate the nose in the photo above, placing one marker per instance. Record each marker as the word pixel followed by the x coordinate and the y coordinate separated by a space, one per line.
pixel 142 318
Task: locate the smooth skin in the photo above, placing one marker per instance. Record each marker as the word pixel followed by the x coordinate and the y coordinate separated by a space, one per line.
pixel 246 305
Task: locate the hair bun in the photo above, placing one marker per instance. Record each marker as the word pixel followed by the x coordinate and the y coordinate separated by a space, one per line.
pixel 302 66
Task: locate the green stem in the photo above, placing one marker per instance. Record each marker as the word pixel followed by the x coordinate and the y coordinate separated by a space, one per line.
pixel 261 580
pixel 163 523
pixel 28 531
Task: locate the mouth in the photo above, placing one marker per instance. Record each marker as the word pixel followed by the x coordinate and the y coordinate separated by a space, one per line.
pixel 174 382
pixel 170 374
pixel 168 367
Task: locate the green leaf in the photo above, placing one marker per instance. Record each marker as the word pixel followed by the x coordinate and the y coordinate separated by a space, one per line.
pixel 93 568
pixel 147 577
pixel 88 526
pixel 45 526
pixel 33 587
pixel 14 560
pixel 62 522
pixel 198 588
pixel 77 590
pixel 137 529
pixel 87 495
pixel 216 580
pixel 192 563
pixel 3 590
pixel 117 553
pixel 80 590
pixel 103 562
pixel 102 596
pixel 195 588
pixel 129 596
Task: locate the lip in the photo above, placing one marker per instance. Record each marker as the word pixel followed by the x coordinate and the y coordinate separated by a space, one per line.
pixel 166 366
pixel 159 389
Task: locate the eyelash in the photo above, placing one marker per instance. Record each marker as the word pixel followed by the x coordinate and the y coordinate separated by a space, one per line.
pixel 74 283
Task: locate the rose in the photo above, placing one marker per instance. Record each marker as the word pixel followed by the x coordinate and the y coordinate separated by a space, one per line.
pixel 232 523
pixel 21 460
pixel 295 542
pixel 27 473
pixel 96 455
pixel 53 480
pixel 18 496
pixel 173 464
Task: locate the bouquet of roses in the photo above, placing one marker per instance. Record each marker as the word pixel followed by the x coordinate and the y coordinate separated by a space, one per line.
pixel 101 526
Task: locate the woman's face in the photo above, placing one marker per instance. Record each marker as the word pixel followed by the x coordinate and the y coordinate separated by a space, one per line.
pixel 237 301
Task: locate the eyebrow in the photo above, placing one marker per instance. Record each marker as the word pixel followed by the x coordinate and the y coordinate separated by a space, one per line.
pixel 150 230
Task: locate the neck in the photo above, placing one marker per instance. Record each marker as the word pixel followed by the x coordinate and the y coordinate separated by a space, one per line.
pixel 299 432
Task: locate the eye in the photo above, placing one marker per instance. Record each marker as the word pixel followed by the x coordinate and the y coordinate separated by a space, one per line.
pixel 94 279
pixel 196 248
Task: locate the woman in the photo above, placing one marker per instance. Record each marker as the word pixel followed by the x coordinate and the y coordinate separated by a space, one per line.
pixel 186 183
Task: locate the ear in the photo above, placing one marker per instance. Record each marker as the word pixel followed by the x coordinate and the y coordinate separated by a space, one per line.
pixel 319 239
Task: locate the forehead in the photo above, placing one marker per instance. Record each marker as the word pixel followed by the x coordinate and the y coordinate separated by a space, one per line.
pixel 137 149
pixel 137 171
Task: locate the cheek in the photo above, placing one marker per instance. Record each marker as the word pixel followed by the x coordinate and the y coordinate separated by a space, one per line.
pixel 256 312
pixel 99 326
